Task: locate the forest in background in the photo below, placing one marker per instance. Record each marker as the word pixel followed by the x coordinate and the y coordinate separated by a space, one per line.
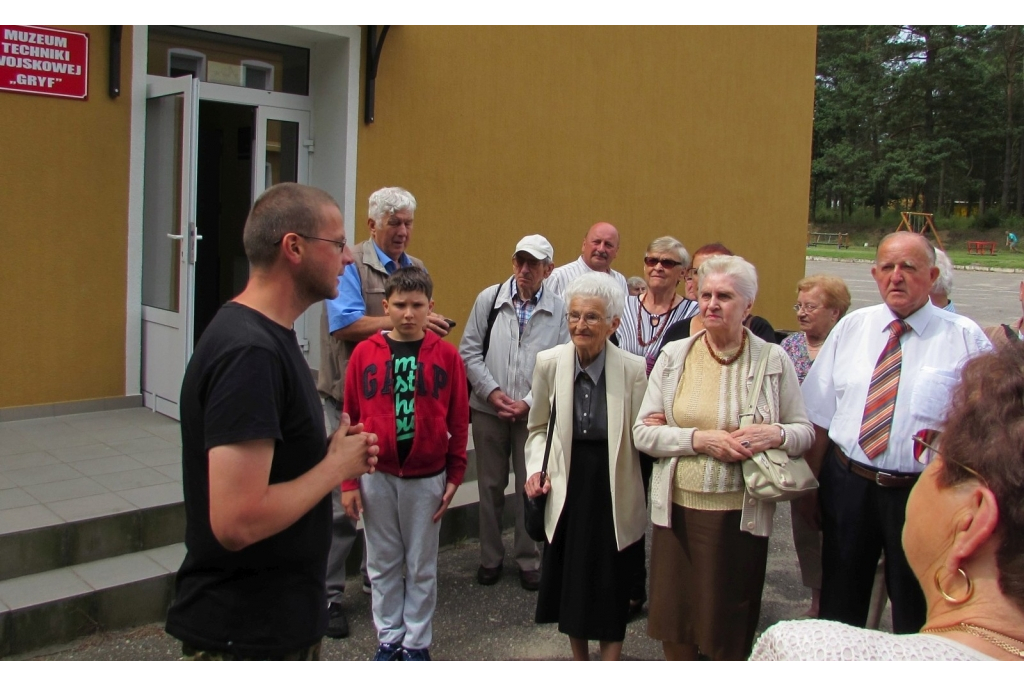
pixel 919 118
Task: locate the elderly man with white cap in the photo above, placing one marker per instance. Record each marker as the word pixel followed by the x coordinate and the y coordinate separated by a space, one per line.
pixel 510 323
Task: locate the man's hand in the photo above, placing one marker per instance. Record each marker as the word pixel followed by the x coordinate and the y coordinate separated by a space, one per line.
pixel 518 409
pixel 352 502
pixel 436 323
pixel 446 499
pixel 534 488
pixel 352 451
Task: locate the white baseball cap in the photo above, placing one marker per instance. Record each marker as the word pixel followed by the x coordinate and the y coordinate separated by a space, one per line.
pixel 537 245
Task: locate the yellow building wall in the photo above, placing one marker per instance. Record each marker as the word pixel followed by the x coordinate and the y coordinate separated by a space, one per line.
pixel 703 133
pixel 64 201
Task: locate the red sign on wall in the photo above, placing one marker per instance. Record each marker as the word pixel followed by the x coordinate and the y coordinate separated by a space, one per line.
pixel 44 61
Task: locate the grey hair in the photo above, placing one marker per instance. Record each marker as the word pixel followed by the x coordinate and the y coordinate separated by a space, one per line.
pixel 636 282
pixel 743 274
pixel 600 285
pixel 944 283
pixel 667 243
pixel 387 201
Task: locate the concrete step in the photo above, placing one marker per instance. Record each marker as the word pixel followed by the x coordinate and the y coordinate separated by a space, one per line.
pixel 67 603
pixel 45 548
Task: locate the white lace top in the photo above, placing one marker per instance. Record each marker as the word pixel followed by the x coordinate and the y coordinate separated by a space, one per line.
pixel 831 641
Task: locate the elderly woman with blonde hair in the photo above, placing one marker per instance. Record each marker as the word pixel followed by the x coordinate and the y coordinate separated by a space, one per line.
pixel 710 543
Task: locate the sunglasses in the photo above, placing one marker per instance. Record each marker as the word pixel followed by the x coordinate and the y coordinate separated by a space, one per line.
pixel 925 451
pixel 667 263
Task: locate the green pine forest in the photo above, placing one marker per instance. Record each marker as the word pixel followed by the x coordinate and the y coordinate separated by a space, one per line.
pixel 919 118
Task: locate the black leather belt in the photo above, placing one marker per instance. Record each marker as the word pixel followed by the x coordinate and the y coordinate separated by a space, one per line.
pixel 880 478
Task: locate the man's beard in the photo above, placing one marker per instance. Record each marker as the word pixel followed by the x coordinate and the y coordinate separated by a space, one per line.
pixel 310 287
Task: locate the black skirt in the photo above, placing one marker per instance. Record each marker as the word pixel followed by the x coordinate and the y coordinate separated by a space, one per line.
pixel 584 584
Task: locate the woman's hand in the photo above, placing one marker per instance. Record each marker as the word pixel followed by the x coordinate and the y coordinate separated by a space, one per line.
pixel 759 437
pixel 656 419
pixel 352 502
pixel 721 445
pixel 534 488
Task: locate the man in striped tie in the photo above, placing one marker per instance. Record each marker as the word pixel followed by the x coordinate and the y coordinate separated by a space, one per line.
pixel 883 375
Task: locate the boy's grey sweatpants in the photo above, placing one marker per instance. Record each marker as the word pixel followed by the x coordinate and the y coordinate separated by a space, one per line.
pixel 402 540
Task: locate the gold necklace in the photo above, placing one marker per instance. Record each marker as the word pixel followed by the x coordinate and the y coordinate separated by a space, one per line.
pixel 726 361
pixel 1003 642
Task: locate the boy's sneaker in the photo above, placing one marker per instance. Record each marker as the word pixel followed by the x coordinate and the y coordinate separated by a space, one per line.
pixel 416 654
pixel 388 651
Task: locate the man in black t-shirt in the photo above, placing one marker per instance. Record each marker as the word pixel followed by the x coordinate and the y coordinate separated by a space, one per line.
pixel 258 470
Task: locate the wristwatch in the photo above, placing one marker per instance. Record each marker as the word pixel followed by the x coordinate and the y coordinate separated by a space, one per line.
pixel 783 432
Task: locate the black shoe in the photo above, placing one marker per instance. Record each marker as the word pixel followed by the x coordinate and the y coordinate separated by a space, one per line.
pixel 530 580
pixel 636 604
pixel 488 576
pixel 337 623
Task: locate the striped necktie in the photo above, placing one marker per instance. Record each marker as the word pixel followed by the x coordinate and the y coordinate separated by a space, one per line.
pixel 885 381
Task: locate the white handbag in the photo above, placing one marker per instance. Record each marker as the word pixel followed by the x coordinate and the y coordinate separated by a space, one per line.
pixel 772 475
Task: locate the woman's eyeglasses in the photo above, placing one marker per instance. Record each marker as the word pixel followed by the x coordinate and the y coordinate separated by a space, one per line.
pixel 925 451
pixel 809 308
pixel 667 263
pixel 590 318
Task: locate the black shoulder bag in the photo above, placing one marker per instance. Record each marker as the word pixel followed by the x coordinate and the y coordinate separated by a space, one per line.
pixel 533 509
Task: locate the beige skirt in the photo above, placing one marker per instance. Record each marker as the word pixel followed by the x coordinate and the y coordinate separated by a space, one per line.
pixel 706 582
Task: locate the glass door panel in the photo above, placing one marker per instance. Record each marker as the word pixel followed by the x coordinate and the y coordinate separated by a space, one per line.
pixel 169 240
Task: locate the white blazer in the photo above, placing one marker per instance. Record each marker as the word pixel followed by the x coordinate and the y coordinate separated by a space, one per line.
pixel 625 383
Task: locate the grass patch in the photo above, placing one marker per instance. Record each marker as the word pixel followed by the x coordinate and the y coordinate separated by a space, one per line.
pixel 958 255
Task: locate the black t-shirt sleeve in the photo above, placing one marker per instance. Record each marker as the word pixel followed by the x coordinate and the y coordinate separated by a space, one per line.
pixel 244 397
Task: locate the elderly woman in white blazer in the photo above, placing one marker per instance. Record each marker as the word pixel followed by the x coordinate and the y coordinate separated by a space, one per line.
pixel 595 515
pixel 709 548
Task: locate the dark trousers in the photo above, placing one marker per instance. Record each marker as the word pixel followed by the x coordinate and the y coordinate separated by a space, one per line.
pixel 859 520
pixel 638 578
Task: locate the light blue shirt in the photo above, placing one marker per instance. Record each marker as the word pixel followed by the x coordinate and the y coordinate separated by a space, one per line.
pixel 349 306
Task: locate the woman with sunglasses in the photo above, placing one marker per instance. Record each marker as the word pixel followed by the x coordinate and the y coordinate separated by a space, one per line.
pixel 963 535
pixel 694 323
pixel 647 316
pixel 645 319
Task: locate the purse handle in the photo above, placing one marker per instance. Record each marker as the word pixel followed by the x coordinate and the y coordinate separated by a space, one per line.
pixel 547 447
pixel 755 389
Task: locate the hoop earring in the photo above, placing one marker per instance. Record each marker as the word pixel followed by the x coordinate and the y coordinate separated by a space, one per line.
pixel 949 598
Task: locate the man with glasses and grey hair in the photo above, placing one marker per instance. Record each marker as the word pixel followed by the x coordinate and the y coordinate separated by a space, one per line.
pixel 353 316
pixel 510 323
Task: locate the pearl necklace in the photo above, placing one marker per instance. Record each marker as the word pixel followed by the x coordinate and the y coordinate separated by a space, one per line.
pixel 1003 642
pixel 726 361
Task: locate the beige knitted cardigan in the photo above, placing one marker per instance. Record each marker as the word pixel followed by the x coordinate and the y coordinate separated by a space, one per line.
pixel 780 403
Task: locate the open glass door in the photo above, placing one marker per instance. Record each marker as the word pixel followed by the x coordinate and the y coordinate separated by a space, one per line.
pixel 169 238
pixel 282 155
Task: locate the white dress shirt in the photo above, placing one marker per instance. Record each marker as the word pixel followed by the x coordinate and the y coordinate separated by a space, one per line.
pixel 836 387
pixel 561 277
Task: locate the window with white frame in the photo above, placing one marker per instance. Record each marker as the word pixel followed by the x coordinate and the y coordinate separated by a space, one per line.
pixel 182 61
pixel 257 74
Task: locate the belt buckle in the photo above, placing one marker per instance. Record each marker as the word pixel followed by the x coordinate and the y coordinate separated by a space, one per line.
pixel 878 478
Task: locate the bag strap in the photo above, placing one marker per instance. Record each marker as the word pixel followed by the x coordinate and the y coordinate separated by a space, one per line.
pixel 547 447
pixel 492 316
pixel 755 389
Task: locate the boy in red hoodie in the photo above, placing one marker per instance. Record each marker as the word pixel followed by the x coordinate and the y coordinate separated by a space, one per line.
pixel 409 387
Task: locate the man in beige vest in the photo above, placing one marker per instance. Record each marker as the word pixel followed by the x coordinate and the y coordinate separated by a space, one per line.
pixel 353 316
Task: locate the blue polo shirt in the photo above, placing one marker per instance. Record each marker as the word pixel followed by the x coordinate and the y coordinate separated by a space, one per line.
pixel 349 306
